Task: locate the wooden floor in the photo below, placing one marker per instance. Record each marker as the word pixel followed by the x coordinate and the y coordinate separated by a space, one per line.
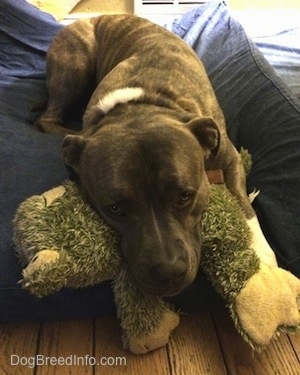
pixel 204 343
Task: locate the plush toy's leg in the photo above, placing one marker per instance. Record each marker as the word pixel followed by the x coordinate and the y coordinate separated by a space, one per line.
pixel 157 339
pixel 263 299
pixel 259 243
pixel 146 320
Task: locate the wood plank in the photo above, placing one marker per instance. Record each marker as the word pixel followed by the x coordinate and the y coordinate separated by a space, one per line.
pixel 278 358
pixel 194 347
pixel 18 346
pixel 109 347
pixel 66 348
pixel 295 341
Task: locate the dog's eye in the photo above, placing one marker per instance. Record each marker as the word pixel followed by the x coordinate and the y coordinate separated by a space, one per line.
pixel 116 210
pixel 185 197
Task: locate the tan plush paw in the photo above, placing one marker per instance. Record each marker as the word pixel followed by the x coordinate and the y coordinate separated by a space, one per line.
pixel 156 339
pixel 267 302
pixel 41 258
pixel 51 195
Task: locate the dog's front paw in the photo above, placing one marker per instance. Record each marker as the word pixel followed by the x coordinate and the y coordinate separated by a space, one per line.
pixel 52 126
pixel 156 339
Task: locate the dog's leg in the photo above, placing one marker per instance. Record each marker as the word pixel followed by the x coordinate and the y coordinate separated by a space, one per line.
pixel 71 64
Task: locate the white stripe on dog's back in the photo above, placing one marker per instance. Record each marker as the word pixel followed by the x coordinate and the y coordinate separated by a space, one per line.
pixel 124 95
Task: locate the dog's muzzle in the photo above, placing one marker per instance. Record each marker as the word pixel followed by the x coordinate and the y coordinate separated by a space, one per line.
pixel 166 276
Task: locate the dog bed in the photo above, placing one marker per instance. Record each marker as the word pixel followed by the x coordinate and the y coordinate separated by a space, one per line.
pixel 262 112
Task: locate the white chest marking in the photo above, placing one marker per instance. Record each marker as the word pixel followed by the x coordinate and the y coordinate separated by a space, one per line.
pixel 125 95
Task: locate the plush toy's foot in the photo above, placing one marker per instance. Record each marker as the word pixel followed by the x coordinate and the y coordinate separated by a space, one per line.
pixel 41 258
pixel 156 339
pixel 269 303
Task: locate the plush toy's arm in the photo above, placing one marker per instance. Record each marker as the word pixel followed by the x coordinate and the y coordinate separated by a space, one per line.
pixel 47 272
pixel 262 299
pixel 147 321
pixel 227 257
pixel 63 242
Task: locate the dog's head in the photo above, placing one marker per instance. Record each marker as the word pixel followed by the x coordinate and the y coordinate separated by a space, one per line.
pixel 149 183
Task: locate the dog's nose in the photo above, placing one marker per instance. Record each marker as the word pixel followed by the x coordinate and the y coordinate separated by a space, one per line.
pixel 170 272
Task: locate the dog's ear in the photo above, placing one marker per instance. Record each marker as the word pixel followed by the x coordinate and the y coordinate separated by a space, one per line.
pixel 206 131
pixel 72 148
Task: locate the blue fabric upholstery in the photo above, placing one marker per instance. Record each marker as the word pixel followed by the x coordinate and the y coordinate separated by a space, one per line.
pixel 261 112
pixel 263 116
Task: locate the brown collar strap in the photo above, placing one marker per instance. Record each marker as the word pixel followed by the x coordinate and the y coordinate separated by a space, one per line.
pixel 215 176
